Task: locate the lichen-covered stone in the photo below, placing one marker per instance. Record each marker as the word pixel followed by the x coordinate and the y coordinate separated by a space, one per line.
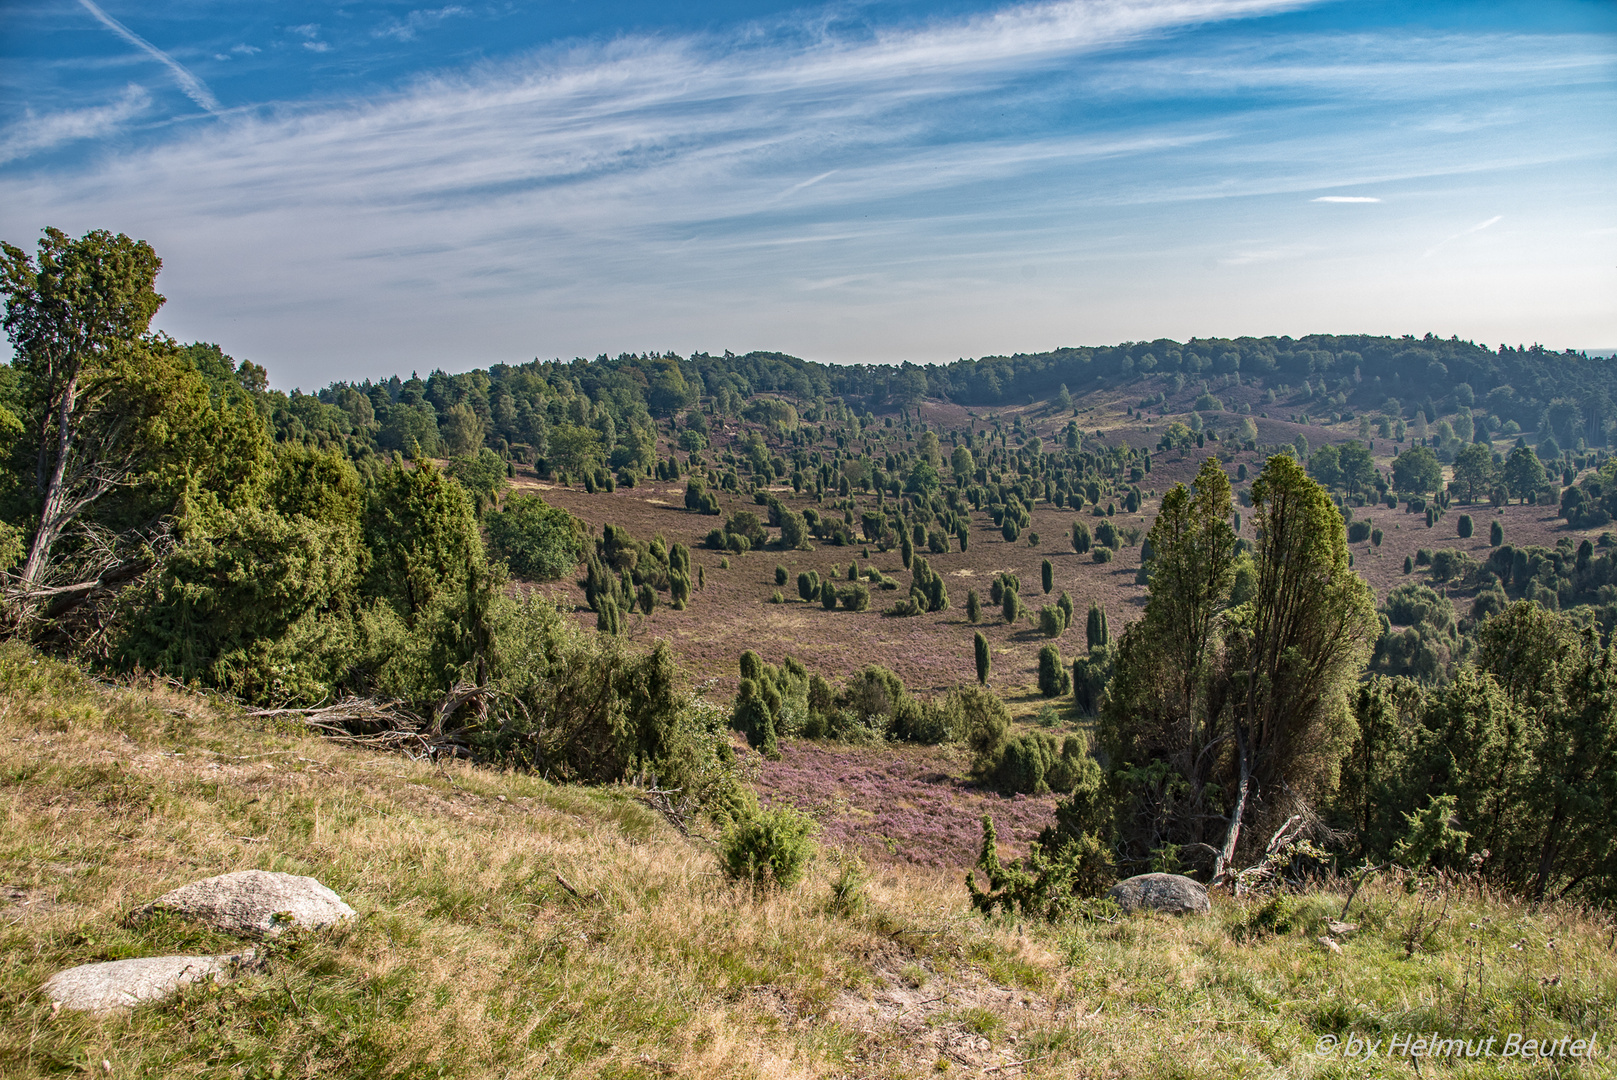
pixel 1172 893
pixel 254 903
pixel 123 984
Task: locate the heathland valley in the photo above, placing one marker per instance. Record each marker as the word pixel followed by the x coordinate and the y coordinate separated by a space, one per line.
pixel 745 715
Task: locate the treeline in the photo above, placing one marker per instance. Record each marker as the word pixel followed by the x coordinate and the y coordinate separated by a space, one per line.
pixel 601 413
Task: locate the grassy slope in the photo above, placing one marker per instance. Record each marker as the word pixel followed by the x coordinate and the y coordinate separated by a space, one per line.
pixel 470 960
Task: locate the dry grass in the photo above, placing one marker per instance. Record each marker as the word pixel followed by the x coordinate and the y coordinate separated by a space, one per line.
pixel 468 958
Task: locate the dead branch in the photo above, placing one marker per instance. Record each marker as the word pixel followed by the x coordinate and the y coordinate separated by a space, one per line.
pixel 594 894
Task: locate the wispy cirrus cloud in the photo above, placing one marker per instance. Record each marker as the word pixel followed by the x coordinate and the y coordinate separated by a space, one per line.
pixel 409 27
pixel 193 87
pixel 917 178
pixel 50 130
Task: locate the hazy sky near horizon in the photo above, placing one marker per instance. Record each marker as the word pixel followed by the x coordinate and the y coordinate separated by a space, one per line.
pixel 352 189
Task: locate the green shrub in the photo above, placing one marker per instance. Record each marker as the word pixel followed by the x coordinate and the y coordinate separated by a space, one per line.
pixel 1274 917
pixel 1102 554
pixel 929 584
pixel 752 717
pixel 780 575
pixel 1034 764
pixel 1053 678
pixel 984 660
pixel 855 598
pixel 1011 606
pixel 984 725
pixel 1090 674
pixel 768 849
pixel 1061 877
pixel 828 595
pixel 848 887
pixel 974 607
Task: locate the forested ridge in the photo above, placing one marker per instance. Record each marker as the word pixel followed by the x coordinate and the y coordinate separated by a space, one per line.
pixel 351 557
pixel 1567 395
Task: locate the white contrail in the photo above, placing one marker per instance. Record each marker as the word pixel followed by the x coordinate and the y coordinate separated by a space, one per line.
pixel 1478 227
pixel 194 88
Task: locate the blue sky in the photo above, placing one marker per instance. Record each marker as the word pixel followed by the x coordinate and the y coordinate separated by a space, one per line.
pixel 346 190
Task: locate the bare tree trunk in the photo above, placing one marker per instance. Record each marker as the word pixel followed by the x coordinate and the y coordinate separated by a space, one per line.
pixel 1233 835
pixel 50 516
pixel 1546 860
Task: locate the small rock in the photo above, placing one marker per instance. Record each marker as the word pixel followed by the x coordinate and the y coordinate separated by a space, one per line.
pixel 1172 893
pixel 123 984
pixel 1330 943
pixel 254 903
pixel 1340 929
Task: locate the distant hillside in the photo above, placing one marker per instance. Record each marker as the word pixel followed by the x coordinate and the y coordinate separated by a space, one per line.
pixel 1568 395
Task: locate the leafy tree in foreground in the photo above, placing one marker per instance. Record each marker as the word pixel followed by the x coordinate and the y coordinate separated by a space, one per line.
pixel 113 427
pixel 77 320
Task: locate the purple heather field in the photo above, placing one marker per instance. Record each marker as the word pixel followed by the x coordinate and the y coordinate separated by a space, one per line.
pixel 909 804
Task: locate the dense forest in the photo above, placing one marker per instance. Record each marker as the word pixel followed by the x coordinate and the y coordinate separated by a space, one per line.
pixel 359 549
